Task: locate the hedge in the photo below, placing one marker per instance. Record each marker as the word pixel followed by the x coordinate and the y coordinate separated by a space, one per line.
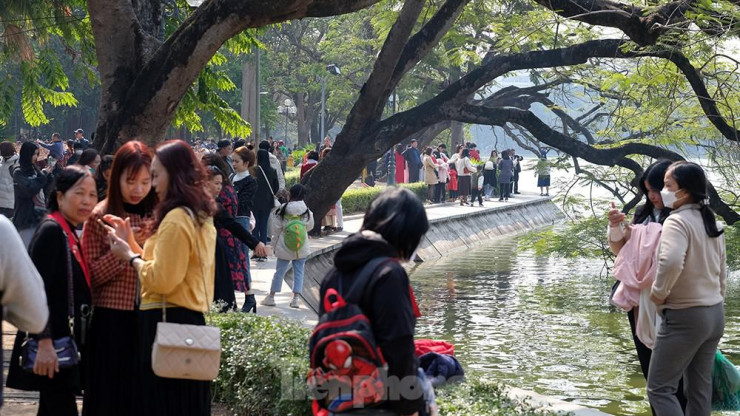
pixel 357 200
pixel 264 362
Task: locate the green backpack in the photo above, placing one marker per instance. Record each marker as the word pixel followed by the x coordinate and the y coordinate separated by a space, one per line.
pixel 295 235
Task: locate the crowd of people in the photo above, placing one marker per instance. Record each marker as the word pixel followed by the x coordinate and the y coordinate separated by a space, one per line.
pixel 173 231
pixel 464 176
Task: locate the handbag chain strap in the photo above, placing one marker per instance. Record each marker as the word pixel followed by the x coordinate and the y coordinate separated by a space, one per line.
pixel 202 277
pixel 70 288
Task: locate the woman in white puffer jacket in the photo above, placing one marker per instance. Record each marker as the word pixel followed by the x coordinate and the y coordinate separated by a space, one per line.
pixel 290 243
pixel 8 159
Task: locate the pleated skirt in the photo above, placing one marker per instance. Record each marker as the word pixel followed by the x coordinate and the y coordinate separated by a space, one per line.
pixel 165 396
pixel 463 185
pixel 113 363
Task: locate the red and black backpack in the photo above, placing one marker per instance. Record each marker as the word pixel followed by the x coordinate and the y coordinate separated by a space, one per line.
pixel 348 370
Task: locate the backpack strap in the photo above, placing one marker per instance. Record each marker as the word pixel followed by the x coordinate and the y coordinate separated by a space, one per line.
pixel 363 280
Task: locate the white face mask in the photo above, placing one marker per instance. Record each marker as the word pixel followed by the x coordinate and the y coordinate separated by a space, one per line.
pixel 78 152
pixel 669 198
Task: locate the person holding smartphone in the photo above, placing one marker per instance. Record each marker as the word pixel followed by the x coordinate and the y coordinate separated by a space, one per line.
pixel 29 185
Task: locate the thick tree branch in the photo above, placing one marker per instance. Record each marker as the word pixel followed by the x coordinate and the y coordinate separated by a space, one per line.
pixel 700 89
pixel 609 156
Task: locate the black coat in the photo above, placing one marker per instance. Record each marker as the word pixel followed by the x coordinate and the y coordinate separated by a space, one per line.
pixel 48 252
pixel 264 199
pixel 246 188
pixel 26 185
pixel 387 305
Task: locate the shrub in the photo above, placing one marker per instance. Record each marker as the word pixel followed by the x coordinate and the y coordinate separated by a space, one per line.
pixel 357 200
pixel 292 177
pixel 264 363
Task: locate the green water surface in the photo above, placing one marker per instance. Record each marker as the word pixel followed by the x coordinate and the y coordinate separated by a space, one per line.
pixel 542 324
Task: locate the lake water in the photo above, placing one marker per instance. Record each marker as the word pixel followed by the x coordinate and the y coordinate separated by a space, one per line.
pixel 542 324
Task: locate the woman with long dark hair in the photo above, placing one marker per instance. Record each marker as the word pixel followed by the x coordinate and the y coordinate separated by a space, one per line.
pixel 689 290
pixel 264 199
pixel 102 175
pixel 175 269
pixel 391 231
pixel 28 186
pixel 57 254
pixel 115 285
pixel 652 211
pixel 90 158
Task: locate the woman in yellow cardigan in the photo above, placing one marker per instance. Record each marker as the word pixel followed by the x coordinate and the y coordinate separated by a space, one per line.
pixel 176 269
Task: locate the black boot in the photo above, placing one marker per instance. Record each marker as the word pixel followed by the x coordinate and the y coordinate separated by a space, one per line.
pixel 250 304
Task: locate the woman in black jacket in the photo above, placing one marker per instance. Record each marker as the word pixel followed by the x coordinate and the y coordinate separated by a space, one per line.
pixel 264 199
pixel 28 184
pixel 54 246
pixel 224 288
pixel 393 227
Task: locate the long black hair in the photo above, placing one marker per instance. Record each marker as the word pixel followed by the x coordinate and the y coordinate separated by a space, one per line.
pixel 65 180
pixel 654 175
pixel 24 158
pixel 691 178
pixel 297 193
pixel 399 216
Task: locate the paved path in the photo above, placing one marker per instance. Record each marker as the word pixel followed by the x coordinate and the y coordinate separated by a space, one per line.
pixel 262 272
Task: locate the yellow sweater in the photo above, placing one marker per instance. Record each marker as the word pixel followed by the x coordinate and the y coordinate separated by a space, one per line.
pixel 177 259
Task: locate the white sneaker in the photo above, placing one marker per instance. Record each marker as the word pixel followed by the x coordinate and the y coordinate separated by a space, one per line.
pixel 269 300
pixel 294 303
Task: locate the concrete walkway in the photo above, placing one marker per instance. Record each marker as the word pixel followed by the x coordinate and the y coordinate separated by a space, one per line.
pixel 262 272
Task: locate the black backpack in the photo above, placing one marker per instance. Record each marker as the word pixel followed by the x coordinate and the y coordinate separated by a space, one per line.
pixel 348 370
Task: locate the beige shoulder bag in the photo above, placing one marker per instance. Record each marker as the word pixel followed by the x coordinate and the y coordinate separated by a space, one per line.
pixel 182 351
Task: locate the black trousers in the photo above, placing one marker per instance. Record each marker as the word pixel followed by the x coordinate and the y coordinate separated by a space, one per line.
pixel 414 173
pixel 439 192
pixel 476 193
pixel 643 355
pixel 504 189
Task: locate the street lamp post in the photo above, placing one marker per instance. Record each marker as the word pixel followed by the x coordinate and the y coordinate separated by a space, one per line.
pixel 287 108
pixel 392 159
pixel 333 70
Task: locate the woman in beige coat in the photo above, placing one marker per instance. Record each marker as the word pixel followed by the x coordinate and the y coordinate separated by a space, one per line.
pixel 431 177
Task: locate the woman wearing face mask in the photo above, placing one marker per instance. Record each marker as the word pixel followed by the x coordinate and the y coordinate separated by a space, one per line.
pixel 689 289
pixel 56 252
pixel 115 286
pixel 652 211
pixel 28 185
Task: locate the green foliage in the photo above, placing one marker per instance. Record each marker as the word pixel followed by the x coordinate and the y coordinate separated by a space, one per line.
pixel 357 200
pixel 292 177
pixel 732 246
pixel 264 362
pixel 585 237
pixel 480 396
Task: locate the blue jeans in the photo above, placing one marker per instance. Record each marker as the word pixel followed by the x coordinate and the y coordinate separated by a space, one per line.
pixel 260 229
pixel 281 268
pixel 244 222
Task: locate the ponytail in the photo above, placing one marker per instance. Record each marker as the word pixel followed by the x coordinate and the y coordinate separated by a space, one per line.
pixel 710 222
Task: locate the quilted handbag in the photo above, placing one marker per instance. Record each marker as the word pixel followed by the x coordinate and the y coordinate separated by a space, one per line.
pixel 190 352
pixel 183 351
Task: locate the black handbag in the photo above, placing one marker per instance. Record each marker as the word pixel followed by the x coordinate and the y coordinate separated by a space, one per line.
pixel 68 354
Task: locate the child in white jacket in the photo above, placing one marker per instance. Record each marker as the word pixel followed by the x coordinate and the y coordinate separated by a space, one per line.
pixel 290 223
